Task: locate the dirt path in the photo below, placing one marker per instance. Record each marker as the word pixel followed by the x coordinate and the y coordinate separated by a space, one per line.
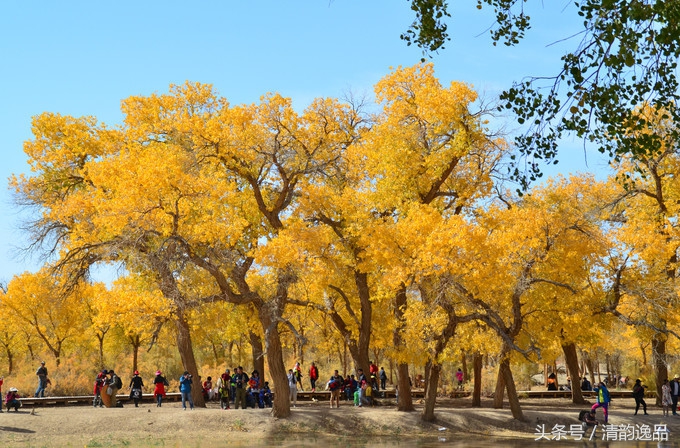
pixel 170 426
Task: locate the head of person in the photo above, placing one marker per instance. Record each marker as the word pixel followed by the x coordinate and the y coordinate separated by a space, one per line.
pixel 158 373
pixel 239 369
pixel 209 378
pixel 290 370
pixel 136 373
pixel 335 372
pixel 255 373
pixel 42 363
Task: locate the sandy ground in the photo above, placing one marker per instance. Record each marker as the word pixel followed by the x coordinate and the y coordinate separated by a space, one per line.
pixel 311 422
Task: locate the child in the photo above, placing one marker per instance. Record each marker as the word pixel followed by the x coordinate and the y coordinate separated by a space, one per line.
pixel 224 389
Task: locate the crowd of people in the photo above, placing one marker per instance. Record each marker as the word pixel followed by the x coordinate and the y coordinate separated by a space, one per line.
pixel 237 389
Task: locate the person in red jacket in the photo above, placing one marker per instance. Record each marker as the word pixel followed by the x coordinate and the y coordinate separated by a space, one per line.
pixel 98 385
pixel 160 383
pixel 373 374
pixel 313 376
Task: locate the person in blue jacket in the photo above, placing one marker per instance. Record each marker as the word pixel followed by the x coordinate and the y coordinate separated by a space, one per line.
pixel 603 400
pixel 185 389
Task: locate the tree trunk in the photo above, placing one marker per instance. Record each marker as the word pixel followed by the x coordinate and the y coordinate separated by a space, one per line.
pixel 591 370
pixel 464 368
pixel 135 342
pixel 405 402
pixel 431 383
pixel 186 352
pixel 477 390
pixel 660 370
pixel 100 339
pixel 571 358
pixel 10 359
pixel 515 407
pixel 268 314
pixel 258 354
pixel 500 388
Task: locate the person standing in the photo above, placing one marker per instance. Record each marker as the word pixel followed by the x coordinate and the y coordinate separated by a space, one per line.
pixel 292 386
pixel 603 400
pixel 313 376
pixel 159 383
pixel 335 386
pixel 136 385
pixel 298 375
pixel 459 378
pixel 675 392
pixel 42 380
pixel 373 373
pixel 383 378
pixel 99 383
pixel 666 399
pixel 224 389
pixel 185 389
pixel 241 382
pixel 115 384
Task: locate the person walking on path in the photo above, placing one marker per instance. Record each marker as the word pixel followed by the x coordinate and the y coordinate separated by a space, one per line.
pixel 603 400
pixel 136 385
pixel 639 395
pixel 292 386
pixel 159 385
pixel 383 378
pixel 42 380
pixel 185 389
pixel 666 399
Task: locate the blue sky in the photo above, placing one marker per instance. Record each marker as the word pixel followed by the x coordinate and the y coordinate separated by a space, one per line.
pixel 82 58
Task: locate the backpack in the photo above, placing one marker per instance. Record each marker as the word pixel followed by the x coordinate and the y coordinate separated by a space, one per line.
pixel 117 382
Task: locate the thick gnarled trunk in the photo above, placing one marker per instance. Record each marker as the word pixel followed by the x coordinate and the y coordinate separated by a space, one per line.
pixel 431 385
pixel 659 357
pixel 269 319
pixel 186 352
pixel 257 353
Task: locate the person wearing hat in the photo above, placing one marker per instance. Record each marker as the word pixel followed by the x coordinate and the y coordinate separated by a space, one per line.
pixel 639 395
pixel 42 380
pixel 160 383
pixel 675 392
pixel 136 385
pixel 12 399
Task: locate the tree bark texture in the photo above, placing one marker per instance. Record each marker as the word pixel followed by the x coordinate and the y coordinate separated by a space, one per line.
pixel 571 358
pixel 477 388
